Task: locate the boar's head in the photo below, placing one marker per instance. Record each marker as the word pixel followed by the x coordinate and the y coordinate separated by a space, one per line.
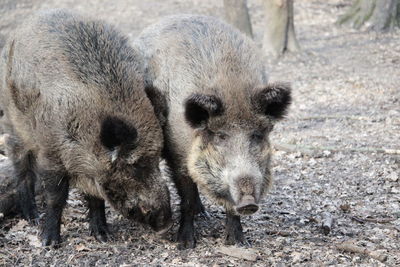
pixel 230 152
pixel 134 184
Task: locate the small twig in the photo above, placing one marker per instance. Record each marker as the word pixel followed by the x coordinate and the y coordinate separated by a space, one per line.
pixel 305 149
pixel 348 247
pixel 277 232
pixel 373 220
pixel 327 222
pixel 341 117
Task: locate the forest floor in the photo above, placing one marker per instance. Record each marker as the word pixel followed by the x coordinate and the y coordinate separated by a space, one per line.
pixel 346 87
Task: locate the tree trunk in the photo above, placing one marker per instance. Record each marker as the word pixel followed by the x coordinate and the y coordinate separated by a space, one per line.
pixel 377 15
pixel 279 34
pixel 237 14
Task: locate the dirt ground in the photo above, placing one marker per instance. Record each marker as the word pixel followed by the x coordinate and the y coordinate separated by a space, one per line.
pixel 346 87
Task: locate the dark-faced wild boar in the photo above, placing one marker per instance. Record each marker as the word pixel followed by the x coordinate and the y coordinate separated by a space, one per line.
pixel 221 112
pixel 77 114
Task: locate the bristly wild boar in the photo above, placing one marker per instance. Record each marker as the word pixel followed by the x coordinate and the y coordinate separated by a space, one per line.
pixel 221 112
pixel 77 114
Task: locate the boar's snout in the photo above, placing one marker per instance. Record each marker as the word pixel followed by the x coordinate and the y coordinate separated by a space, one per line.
pixel 246 187
pixel 160 221
pixel 247 205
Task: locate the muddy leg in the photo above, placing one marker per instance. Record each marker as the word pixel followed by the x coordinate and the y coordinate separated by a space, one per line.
pixel 234 230
pixel 190 203
pixel 56 193
pixel 97 218
pixel 187 191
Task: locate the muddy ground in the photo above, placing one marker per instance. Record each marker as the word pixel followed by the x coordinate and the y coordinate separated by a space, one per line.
pixel 346 106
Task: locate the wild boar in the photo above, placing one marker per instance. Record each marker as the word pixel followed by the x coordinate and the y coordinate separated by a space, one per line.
pixel 221 112
pixel 77 114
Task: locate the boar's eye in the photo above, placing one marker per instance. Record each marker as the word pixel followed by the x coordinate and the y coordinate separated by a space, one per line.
pixel 216 137
pixel 221 136
pixel 257 136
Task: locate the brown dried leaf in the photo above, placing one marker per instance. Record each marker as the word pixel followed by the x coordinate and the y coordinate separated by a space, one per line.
pixel 19 226
pixel 81 247
pixel 240 253
pixel 34 241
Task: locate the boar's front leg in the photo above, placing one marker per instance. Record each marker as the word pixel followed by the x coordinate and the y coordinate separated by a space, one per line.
pixel 97 218
pixel 190 202
pixel 55 185
pixel 234 230
pixel 187 191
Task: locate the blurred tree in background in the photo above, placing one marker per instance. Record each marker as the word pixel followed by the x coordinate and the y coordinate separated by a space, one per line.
pixel 237 14
pixel 377 15
pixel 279 34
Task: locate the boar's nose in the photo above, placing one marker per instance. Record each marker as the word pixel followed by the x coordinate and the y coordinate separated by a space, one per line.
pixel 161 220
pixel 247 205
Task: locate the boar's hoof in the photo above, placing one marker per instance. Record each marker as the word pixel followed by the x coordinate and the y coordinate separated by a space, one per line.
pixel 31 215
pixel 100 233
pixel 34 221
pixel 236 238
pixel 186 238
pixel 51 239
pixel 247 206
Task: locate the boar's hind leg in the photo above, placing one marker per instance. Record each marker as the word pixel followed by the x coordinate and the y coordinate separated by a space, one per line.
pixel 97 218
pixel 24 166
pixel 26 178
pixel 55 185
pixel 234 230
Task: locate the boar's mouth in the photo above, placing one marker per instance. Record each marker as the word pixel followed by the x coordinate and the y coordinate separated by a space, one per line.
pixel 157 222
pixel 247 206
pixel 164 229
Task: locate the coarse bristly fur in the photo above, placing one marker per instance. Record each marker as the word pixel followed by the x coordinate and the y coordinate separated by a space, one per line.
pixel 77 113
pixel 221 111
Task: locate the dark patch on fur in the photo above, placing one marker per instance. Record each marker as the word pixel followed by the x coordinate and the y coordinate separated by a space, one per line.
pixel 158 102
pixel 73 126
pixel 115 132
pixel 273 100
pixel 199 108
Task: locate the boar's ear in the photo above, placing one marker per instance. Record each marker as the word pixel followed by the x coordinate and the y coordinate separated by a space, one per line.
pixel 116 133
pixel 159 103
pixel 273 100
pixel 199 108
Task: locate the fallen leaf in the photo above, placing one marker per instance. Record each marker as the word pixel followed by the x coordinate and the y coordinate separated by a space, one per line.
pixel 34 241
pixel 81 247
pixel 240 253
pixel 19 226
pixel 345 207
